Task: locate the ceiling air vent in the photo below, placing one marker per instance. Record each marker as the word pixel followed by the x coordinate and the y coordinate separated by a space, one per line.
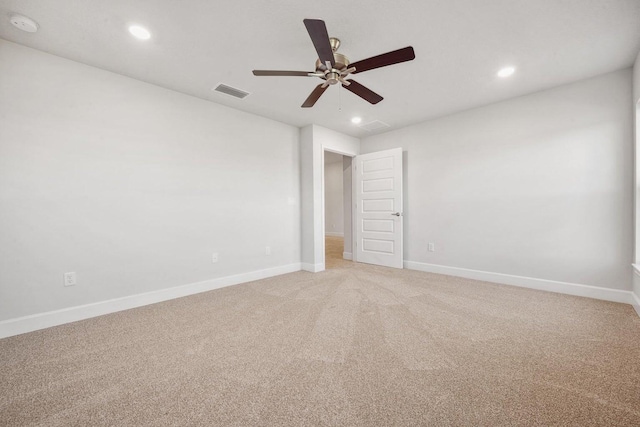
pixel 374 126
pixel 236 93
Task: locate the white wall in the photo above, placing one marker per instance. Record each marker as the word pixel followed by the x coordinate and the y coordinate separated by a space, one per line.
pixel 131 186
pixel 333 197
pixel 636 107
pixel 636 180
pixel 538 186
pixel 308 202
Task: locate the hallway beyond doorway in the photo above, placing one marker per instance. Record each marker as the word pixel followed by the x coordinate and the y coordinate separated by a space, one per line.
pixel 334 246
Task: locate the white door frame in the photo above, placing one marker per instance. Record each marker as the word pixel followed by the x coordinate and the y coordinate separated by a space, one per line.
pixel 314 140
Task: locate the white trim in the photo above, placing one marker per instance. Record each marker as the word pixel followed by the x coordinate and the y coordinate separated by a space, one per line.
pixel 636 290
pixel 313 268
pixel 588 291
pixel 38 321
pixel 347 255
pixel 334 234
pixel 636 302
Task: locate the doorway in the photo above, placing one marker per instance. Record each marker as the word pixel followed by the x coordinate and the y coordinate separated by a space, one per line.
pixel 337 209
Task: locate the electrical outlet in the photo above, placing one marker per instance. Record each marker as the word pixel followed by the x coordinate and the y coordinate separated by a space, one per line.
pixel 214 257
pixel 432 247
pixel 70 278
pixel 267 250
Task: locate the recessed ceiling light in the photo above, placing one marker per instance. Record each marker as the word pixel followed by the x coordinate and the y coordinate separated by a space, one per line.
pixel 506 72
pixel 140 32
pixel 356 120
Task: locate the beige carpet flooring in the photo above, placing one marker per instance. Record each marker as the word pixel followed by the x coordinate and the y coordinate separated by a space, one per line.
pixel 356 345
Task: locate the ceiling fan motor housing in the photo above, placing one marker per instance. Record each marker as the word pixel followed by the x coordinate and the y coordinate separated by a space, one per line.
pixel 341 63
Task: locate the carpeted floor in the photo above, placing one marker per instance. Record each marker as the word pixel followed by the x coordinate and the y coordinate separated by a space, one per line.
pixel 356 345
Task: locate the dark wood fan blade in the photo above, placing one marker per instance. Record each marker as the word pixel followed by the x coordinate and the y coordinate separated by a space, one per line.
pixel 282 73
pixel 363 92
pixel 318 32
pixel 315 95
pixel 389 58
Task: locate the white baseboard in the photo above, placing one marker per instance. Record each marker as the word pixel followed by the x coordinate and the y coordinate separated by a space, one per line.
pixel 314 268
pixel 35 322
pixel 588 291
pixel 333 234
pixel 347 255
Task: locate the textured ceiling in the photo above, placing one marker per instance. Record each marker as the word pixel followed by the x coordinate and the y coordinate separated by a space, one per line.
pixel 459 46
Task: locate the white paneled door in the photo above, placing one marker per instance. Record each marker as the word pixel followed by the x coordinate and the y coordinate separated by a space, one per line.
pixel 378 190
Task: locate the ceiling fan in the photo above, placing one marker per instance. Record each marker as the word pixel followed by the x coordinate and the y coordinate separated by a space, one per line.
pixel 334 67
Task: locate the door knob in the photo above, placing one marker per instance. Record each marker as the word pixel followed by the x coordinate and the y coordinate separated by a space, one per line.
pixel 396 214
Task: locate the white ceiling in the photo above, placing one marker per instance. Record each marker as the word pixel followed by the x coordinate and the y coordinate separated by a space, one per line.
pixel 459 46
